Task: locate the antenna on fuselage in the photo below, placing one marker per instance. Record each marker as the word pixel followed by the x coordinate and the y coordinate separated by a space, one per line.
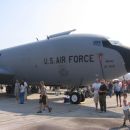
pixel 37 39
pixel 60 34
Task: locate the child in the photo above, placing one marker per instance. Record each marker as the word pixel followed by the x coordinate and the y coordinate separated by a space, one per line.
pixel 43 101
pixel 125 109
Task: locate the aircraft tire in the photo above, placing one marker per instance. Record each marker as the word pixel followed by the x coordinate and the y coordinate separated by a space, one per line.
pixel 75 98
pixel 82 99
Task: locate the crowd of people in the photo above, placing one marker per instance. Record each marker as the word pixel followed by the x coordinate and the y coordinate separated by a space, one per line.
pixel 21 92
pixel 100 88
pixel 103 88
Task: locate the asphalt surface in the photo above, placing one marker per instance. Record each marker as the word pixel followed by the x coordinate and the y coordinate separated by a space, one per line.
pixel 14 116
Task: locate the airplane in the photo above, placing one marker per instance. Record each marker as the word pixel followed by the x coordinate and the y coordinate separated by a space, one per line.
pixel 65 59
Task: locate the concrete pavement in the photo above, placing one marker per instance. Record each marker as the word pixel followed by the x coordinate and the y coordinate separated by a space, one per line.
pixel 14 116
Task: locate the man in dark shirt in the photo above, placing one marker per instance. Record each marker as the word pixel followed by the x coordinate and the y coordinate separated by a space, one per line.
pixel 102 96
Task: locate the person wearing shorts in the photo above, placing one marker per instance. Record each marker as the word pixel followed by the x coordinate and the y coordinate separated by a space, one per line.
pixel 96 87
pixel 17 90
pixel 43 104
pixel 117 90
pixel 125 109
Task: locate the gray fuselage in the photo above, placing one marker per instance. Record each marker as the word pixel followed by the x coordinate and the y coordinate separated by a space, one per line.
pixel 64 60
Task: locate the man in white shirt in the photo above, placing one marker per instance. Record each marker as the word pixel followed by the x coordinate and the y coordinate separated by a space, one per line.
pixel 43 90
pixel 117 90
pixel 96 87
pixel 22 92
pixel 26 92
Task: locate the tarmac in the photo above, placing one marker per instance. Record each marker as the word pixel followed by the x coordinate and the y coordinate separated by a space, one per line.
pixel 64 116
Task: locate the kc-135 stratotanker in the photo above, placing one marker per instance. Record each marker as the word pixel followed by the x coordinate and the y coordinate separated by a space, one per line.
pixel 65 59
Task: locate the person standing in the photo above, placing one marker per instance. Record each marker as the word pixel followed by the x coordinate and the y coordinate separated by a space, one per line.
pixel 102 96
pixel 125 109
pixel 43 101
pixel 1 88
pixel 16 90
pixel 95 87
pixel 124 86
pixel 110 88
pixel 43 89
pixel 26 90
pixel 117 90
pixel 22 92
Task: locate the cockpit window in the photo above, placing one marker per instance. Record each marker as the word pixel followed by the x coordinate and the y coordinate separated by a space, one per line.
pixel 97 43
pixel 106 43
pixel 116 43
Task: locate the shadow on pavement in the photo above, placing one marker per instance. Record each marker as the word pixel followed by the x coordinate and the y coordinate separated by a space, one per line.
pixel 120 128
pixel 60 109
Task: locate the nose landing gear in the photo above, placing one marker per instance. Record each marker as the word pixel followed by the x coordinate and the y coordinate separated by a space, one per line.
pixel 74 96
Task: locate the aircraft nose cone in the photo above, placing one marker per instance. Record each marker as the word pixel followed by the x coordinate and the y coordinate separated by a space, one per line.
pixel 125 53
pixel 126 57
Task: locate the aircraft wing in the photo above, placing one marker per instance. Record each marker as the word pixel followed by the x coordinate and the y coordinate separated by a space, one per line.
pixel 5 75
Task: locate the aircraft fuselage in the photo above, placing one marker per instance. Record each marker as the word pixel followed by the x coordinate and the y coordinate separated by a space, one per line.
pixel 69 60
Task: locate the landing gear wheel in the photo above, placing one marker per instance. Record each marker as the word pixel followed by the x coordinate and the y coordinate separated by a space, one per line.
pixel 75 98
pixel 82 98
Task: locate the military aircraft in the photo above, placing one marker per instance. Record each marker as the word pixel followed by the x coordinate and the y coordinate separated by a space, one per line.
pixel 65 59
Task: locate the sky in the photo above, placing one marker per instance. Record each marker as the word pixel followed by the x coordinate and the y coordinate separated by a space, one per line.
pixel 21 21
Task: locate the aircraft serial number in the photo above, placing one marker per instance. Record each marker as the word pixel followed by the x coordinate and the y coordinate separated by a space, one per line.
pixel 69 59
